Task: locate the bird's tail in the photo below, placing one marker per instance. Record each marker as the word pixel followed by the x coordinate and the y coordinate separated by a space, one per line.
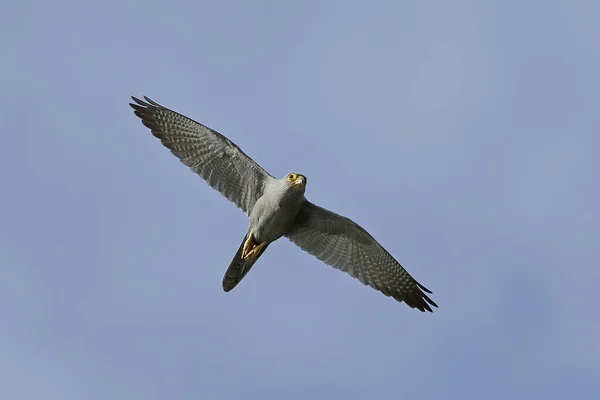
pixel 239 267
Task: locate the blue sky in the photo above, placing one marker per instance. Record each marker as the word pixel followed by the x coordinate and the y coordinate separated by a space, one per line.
pixel 463 135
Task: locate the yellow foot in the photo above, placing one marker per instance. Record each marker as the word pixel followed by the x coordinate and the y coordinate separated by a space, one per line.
pixel 248 245
pixel 255 251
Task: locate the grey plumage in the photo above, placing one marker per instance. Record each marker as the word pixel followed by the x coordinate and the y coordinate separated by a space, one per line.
pixel 222 164
pixel 272 216
pixel 278 207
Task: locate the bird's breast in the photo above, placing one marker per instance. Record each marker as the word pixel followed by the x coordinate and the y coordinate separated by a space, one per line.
pixel 272 221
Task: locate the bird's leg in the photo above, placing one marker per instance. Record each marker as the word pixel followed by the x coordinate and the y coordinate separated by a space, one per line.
pixel 255 251
pixel 248 245
pixel 251 249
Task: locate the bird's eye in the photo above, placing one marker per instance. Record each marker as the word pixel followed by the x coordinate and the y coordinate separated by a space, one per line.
pixel 292 176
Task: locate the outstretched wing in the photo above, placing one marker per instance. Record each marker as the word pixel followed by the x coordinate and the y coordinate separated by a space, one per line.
pixel 222 164
pixel 345 245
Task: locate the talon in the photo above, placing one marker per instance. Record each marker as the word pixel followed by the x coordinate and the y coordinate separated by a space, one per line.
pixel 255 251
pixel 248 245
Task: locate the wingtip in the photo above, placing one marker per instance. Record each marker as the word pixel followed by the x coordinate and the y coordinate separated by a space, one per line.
pixel 149 102
pixel 424 307
pixel 137 100
pixel 426 302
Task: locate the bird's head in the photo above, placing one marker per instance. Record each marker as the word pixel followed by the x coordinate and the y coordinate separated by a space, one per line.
pixel 296 180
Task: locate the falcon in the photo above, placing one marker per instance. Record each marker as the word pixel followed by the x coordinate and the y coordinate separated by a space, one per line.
pixel 278 208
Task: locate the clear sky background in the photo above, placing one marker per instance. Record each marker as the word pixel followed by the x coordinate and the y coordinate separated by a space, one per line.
pixel 463 135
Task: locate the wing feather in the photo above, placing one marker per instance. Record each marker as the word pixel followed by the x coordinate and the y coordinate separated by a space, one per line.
pixel 219 161
pixel 343 244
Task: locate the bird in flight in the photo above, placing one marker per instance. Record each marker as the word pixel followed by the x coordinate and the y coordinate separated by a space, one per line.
pixel 277 208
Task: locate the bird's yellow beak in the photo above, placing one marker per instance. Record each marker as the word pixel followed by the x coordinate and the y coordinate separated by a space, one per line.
pixel 301 180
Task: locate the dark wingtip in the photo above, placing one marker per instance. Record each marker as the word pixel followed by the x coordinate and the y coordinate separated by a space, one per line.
pixel 144 104
pixel 428 300
pixel 424 299
pixel 138 101
pixel 423 288
pixel 417 299
pixel 149 100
